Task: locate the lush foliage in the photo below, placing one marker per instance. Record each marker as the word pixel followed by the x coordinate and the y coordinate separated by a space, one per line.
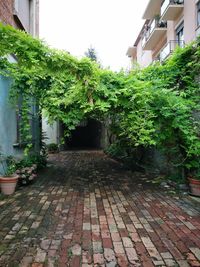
pixel 52 148
pixel 8 165
pixel 157 106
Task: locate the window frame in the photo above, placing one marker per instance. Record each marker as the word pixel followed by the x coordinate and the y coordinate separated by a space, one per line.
pixel 178 30
pixel 198 14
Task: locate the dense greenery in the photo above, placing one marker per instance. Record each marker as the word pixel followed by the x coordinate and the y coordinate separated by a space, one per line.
pixel 154 107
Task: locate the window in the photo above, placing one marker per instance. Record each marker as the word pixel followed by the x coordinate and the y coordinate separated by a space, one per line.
pixel 180 34
pixel 198 13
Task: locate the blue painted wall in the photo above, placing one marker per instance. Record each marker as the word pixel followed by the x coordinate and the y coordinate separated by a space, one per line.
pixel 8 126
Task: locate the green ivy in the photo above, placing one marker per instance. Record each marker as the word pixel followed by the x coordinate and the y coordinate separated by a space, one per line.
pixel 156 106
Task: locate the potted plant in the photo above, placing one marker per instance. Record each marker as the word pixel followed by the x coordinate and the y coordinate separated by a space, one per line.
pixel 8 178
pixel 194 183
pixel 193 175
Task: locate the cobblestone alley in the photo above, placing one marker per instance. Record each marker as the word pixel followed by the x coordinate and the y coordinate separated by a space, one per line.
pixel 87 210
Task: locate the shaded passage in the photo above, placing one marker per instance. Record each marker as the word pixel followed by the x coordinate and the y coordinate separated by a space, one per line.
pixel 86 136
pixel 87 210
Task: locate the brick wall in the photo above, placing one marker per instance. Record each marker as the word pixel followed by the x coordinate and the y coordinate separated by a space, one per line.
pixel 6 13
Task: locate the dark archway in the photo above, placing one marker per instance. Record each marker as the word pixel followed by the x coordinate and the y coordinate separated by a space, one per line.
pixel 86 136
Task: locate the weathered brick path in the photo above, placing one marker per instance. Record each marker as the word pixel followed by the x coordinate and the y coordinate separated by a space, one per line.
pixel 86 210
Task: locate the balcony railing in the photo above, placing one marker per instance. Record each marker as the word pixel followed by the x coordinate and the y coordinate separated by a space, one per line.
pixel 169 48
pixel 167 3
pixel 154 32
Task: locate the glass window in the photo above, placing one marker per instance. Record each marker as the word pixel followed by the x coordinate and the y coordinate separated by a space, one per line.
pixel 198 13
pixel 180 34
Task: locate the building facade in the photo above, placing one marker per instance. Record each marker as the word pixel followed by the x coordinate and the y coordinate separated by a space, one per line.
pixel 23 15
pixel 168 23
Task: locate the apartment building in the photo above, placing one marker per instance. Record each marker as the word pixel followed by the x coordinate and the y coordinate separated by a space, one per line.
pixel 23 15
pixel 168 23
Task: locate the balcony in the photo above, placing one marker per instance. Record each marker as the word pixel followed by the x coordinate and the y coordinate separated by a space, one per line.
pixel 152 9
pixel 169 48
pixel 170 9
pixel 155 31
pixel 131 52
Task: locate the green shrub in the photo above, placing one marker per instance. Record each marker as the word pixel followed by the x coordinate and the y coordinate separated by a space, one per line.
pixel 52 148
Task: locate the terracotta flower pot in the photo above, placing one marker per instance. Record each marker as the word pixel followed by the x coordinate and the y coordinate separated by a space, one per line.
pixel 8 184
pixel 194 186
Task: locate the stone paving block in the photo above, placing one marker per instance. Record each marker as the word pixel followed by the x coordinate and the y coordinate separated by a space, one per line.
pixel 98 258
pixel 55 244
pixel 127 242
pixel 86 257
pixel 111 264
pixel 105 233
pixel 76 250
pixel 96 236
pixel 97 247
pixel 131 254
pixel 166 255
pixel 118 248
pixel 40 256
pixel 75 261
pixel 131 228
pixel 45 244
pixel 183 263
pixel 158 263
pixel 196 252
pixel 122 260
pixel 147 242
pixel 26 261
pixel 95 228
pixel 170 262
pixel 154 254
pixel 107 243
pixel 109 255
pixel 86 226
pixel 135 237
pixel 36 264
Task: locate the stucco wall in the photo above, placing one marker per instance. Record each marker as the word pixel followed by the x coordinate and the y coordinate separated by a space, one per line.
pixel 159 46
pixel 51 131
pixel 189 20
pixel 144 57
pixel 170 31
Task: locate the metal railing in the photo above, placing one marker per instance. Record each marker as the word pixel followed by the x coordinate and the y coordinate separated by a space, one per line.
pixel 169 48
pixel 166 3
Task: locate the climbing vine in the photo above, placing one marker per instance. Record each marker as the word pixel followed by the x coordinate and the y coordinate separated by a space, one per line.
pixel 154 107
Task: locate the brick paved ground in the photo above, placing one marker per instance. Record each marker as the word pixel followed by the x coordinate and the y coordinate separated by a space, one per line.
pixel 86 210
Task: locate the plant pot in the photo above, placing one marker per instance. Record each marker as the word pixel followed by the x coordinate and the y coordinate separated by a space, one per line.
pixel 8 184
pixel 194 186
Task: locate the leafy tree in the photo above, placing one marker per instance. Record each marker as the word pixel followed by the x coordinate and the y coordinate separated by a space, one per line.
pixel 92 54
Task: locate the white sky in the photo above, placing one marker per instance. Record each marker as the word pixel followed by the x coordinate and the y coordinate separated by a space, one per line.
pixel 110 26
